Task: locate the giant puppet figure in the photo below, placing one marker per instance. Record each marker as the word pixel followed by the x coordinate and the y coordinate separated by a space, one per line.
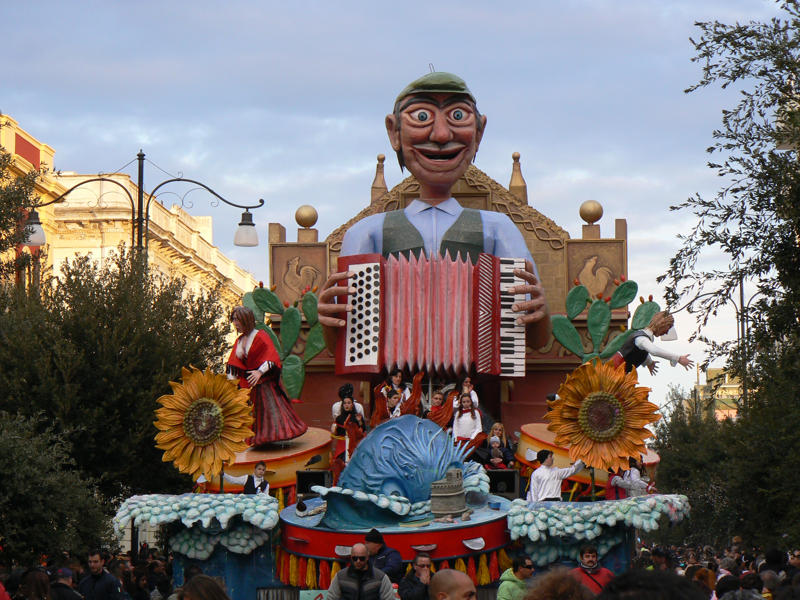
pixel 436 128
pixel 256 364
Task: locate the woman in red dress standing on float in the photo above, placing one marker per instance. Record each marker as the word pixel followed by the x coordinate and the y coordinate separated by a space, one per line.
pixel 255 362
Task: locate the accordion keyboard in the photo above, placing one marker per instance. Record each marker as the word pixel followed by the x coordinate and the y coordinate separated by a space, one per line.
pixel 512 334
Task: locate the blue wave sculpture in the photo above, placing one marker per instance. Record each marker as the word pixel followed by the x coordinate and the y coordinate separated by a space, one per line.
pixel 389 475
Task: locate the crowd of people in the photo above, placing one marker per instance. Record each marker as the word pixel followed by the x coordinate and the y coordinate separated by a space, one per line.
pixel 465 420
pixel 101 576
pixel 686 573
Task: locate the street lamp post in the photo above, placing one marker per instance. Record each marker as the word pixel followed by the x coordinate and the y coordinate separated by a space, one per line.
pixel 245 235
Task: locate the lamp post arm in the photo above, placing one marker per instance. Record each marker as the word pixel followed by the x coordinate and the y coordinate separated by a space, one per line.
pixel 92 180
pixel 205 187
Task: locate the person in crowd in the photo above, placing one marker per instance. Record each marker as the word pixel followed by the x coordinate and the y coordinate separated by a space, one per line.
pixel 726 584
pixel 650 585
pixel 589 573
pixel 203 587
pixel 188 573
pixel 414 586
pixel 545 483
pixel 727 566
pixel 99 584
pixel 703 578
pixel 466 387
pixel 662 559
pixel 437 402
pixel 360 580
pixel 139 589
pixel 348 415
pixel 506 449
pixel 558 584
pixel 388 560
pixel 395 383
pixel 62 587
pixel 36 584
pixel 793 568
pixel 774 560
pixel 496 459
pixel 467 421
pixel 163 589
pixel 449 584
pixel 117 568
pixel 514 580
pixel 346 391
pixel 253 484
pixel 770 582
pixel 394 403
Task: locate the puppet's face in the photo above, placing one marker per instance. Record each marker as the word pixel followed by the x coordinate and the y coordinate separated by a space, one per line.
pixel 438 136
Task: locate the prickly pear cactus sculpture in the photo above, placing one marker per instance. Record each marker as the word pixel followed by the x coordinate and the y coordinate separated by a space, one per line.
pixel 598 319
pixel 262 302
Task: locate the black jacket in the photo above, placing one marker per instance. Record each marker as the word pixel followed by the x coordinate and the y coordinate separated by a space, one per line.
pixel 100 587
pixel 390 562
pixel 411 588
pixel 61 591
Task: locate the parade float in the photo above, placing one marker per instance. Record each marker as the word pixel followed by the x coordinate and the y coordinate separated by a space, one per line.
pixel 408 477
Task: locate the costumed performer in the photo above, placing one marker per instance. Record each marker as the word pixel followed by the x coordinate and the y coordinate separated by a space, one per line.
pixel 436 129
pixel 546 481
pixel 347 416
pixel 345 391
pixel 256 364
pixel 253 484
pixel 467 422
pixel 639 348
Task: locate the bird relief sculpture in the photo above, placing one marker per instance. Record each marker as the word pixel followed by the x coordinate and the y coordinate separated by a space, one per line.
pixel 594 278
pixel 298 278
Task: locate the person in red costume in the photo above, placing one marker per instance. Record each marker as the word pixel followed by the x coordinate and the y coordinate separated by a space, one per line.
pixel 256 364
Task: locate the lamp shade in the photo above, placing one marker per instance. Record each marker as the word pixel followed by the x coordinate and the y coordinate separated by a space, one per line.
pixel 246 234
pixel 37 237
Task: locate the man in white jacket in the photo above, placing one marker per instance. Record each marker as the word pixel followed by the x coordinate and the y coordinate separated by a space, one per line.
pixel 546 480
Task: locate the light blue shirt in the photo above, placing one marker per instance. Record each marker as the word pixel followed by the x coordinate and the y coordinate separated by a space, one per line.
pixel 500 236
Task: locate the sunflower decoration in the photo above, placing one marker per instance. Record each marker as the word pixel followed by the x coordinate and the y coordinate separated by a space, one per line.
pixel 203 423
pixel 601 415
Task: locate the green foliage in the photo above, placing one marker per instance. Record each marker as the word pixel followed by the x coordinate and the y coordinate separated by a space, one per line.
pixel 290 330
pixel 16 193
pixel 754 219
pixel 643 314
pixel 293 375
pixel 47 506
pixel 92 354
pixel 598 320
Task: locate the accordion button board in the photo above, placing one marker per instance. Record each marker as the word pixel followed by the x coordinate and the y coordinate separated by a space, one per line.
pixel 437 315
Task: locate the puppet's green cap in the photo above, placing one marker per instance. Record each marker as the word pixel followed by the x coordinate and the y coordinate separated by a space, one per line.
pixel 436 82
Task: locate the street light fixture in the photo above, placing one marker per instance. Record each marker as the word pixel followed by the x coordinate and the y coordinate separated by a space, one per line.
pixel 246 234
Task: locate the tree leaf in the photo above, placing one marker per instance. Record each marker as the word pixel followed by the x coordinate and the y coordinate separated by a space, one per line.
pixel 309 304
pixel 315 343
pixel 290 329
pixel 249 301
pixel 577 298
pixel 268 301
pixel 566 334
pixel 293 375
pixel 597 321
pixel 624 294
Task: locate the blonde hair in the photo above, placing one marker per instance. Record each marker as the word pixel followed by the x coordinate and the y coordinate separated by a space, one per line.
pixel 502 436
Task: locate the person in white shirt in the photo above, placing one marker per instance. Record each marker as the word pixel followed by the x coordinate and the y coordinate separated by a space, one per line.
pixel 639 348
pixel 632 481
pixel 546 481
pixel 467 421
pixel 253 484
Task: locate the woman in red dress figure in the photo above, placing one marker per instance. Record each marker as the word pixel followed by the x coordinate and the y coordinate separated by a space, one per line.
pixel 255 362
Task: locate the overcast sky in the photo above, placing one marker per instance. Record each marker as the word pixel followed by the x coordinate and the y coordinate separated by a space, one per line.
pixel 285 102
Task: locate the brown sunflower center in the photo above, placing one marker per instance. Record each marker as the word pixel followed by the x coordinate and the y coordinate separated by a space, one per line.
pixel 203 422
pixel 601 416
